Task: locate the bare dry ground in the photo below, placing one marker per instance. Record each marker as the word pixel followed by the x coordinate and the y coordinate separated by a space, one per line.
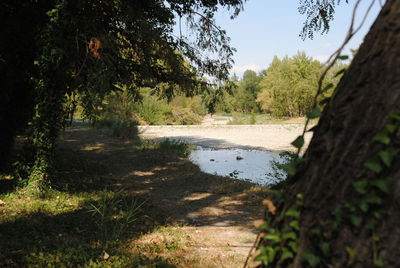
pixel 274 137
pixel 208 221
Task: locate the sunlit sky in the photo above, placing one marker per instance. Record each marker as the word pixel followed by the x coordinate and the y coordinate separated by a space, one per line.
pixel 271 27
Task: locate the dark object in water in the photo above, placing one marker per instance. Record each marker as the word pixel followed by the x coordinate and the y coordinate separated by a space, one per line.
pixel 239 158
pixel 212 159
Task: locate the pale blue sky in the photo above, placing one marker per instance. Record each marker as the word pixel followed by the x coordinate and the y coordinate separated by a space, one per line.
pixel 271 27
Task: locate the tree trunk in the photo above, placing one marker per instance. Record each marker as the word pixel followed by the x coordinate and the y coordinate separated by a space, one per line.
pixel 343 141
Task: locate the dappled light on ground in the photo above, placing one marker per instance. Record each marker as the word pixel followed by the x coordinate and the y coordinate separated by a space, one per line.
pixel 213 215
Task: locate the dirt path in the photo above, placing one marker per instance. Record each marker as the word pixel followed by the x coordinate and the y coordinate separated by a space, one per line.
pixel 211 217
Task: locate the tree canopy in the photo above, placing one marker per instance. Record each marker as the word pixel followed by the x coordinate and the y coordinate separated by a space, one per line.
pixel 95 47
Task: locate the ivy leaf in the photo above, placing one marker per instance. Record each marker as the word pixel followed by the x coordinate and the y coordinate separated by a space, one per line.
pixel 312 129
pixel 293 246
pixel 376 214
pixel 383 185
pixel 382 138
pixel 361 186
pixel 325 101
pixel 311 258
pixel 286 255
pixel 273 237
pixel 327 87
pixel 325 248
pixel 294 225
pixel 262 258
pixel 289 235
pixel 298 142
pixel 372 198
pixel 373 164
pixel 363 205
pixel 271 252
pixel 314 113
pixel 290 168
pixel 263 226
pixel 395 116
pixel 387 156
pixel 379 263
pixel 391 128
pixel 293 213
pixel 355 220
pixel 340 72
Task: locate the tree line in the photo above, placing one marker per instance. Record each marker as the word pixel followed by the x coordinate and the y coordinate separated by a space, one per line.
pixel 285 89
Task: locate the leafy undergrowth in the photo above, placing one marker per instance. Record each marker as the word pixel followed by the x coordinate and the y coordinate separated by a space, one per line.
pixel 94 216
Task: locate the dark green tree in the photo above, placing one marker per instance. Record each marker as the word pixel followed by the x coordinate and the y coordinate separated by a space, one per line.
pixel 60 48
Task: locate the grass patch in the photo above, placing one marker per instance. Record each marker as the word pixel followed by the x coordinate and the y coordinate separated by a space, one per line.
pixel 85 219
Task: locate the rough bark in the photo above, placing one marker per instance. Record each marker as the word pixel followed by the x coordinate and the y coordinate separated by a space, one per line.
pixel 366 96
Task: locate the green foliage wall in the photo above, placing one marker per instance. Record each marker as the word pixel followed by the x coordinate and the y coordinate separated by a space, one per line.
pixel 289 85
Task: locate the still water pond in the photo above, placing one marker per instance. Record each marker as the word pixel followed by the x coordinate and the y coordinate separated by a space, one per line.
pixel 252 165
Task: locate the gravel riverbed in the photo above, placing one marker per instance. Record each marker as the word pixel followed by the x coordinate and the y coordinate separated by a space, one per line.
pixel 274 137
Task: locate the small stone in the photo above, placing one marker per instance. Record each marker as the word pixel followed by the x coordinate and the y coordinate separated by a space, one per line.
pixel 212 160
pixel 106 256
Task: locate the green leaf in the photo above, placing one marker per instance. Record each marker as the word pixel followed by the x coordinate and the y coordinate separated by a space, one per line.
pixel 361 186
pixel 271 252
pixel 298 142
pixel 295 225
pixel 314 113
pixel 376 214
pixel 350 206
pixel 387 156
pixel 391 128
pixel 352 253
pixel 273 237
pixel 340 72
pixel 382 184
pixel 379 263
pixel 355 220
pixel 325 248
pixel 395 116
pixel 292 212
pixel 262 227
pixel 373 164
pixel 262 258
pixel 363 205
pixel 290 168
pixel 382 138
pixel 289 235
pixel 325 101
pixel 312 129
pixel 311 258
pixel 343 57
pixel 327 87
pixel 286 255
pixel 293 246
pixel 372 198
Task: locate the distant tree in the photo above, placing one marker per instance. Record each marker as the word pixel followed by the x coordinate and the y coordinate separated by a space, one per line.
pixel 245 94
pixel 289 85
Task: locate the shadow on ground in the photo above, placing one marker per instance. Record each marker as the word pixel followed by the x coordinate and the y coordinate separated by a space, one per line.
pixel 172 183
pixel 89 161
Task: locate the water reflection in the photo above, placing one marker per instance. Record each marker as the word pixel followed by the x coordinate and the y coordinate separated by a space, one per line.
pixel 252 165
